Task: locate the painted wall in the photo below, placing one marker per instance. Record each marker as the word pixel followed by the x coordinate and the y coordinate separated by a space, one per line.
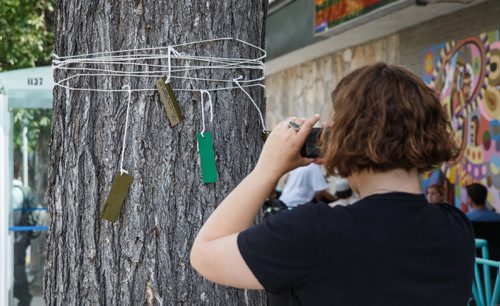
pixel 304 90
pixel 471 21
pixel 466 74
pixel 330 13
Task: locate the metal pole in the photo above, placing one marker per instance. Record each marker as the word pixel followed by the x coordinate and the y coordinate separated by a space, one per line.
pixel 25 156
pixel 6 242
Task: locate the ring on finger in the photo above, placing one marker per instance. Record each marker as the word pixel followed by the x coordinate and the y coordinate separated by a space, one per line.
pixel 294 125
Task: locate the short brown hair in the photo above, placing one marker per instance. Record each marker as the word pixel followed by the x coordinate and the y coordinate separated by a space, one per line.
pixel 385 117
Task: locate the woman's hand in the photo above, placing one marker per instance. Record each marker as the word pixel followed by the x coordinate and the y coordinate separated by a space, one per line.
pixel 281 152
pixel 215 253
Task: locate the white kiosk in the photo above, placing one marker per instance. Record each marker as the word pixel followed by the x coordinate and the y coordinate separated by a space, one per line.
pixel 23 88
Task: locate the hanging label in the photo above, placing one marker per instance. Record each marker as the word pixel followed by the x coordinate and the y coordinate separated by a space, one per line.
pixel 207 158
pixel 169 101
pixel 116 197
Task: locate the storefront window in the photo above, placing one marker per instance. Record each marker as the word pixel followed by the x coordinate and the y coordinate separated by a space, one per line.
pixel 30 139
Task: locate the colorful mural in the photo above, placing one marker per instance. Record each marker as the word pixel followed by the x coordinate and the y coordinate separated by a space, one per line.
pixel 330 13
pixel 466 74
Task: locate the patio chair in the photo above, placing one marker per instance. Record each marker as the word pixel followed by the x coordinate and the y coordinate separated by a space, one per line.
pixel 489 231
pixel 485 289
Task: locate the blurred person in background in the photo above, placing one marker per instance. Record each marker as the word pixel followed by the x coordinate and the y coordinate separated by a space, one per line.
pixel 306 184
pixel 344 194
pixel 476 199
pixel 435 194
pixel 22 203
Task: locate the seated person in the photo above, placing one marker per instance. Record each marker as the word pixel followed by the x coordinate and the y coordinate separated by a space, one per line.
pixel 476 199
pixel 435 194
pixel 306 184
pixel 344 194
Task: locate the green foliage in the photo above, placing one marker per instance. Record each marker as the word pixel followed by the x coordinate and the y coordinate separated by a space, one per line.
pixel 26 40
pixel 38 122
pixel 26 33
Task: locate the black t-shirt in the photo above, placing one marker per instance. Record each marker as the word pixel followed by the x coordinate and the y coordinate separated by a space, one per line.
pixel 386 249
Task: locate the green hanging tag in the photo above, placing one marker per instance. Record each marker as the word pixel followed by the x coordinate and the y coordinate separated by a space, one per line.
pixel 207 158
pixel 167 97
pixel 116 197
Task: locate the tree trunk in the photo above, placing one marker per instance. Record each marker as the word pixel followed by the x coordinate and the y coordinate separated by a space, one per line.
pixel 144 256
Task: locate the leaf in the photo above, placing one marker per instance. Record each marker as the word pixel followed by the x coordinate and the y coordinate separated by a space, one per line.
pixel 26 33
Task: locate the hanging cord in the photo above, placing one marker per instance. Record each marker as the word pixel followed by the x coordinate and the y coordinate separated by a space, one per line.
pixel 236 80
pixel 84 65
pixel 154 89
pixel 108 53
pixel 202 92
pixel 127 87
pixel 170 51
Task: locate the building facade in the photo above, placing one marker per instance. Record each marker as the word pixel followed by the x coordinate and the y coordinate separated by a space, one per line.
pixel 454 46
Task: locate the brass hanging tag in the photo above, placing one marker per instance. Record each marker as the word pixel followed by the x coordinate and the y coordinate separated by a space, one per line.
pixel 117 196
pixel 169 101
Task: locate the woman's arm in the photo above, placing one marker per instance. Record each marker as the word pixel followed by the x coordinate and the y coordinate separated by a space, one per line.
pixel 215 254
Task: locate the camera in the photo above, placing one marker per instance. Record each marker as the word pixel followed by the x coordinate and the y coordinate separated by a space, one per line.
pixel 311 148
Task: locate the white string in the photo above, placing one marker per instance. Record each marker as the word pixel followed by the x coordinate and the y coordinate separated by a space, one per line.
pixel 170 51
pixel 236 80
pixel 127 87
pixel 202 92
pixel 154 89
pixel 83 61
pixel 90 65
pixel 131 58
pixel 144 74
pixel 135 50
pixel 61 61
pixel 161 48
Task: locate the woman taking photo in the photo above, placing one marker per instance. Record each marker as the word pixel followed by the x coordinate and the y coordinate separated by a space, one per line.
pixel 391 247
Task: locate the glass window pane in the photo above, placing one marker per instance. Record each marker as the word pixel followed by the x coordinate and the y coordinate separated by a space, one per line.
pixel 31 137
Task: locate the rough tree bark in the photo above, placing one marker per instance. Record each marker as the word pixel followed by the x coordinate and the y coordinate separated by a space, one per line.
pixel 39 189
pixel 144 256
